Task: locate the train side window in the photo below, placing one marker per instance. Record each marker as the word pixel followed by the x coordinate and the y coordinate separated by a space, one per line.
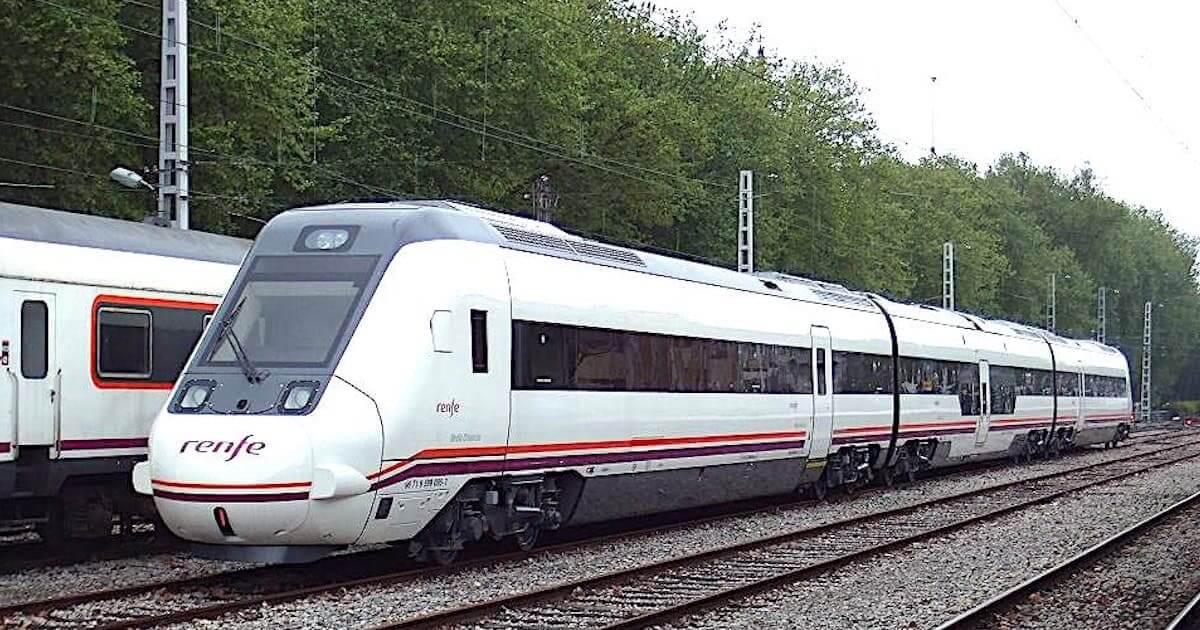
pixel 687 364
pixel 35 340
pixel 968 389
pixel 599 361
pixel 123 343
pixel 175 334
pixel 720 366
pixel 479 344
pixel 540 355
pixel 750 364
pixel 822 385
pixel 649 358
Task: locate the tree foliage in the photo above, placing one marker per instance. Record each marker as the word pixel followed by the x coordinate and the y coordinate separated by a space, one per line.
pixel 640 121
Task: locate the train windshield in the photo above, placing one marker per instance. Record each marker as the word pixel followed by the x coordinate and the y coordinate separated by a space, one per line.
pixel 293 310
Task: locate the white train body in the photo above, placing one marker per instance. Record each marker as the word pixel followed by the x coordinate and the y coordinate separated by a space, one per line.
pixel 97 319
pixel 455 373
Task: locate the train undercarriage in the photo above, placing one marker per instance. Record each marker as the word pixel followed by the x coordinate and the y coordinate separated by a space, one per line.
pixel 69 500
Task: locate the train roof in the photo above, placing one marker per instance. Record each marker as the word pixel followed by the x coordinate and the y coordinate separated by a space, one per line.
pixel 31 223
pixel 520 233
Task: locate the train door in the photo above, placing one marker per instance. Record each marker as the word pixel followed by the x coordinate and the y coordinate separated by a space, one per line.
pixel 985 404
pixel 35 371
pixel 1080 401
pixel 822 392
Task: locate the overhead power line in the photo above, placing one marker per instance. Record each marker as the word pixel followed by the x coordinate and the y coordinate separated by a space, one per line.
pixel 421 108
pixel 322 170
pixel 1141 98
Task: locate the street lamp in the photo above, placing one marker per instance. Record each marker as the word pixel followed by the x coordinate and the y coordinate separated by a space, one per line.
pixel 1052 304
pixel 129 179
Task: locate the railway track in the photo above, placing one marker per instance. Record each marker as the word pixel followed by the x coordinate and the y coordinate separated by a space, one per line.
pixel 662 592
pixel 1188 618
pixel 1072 586
pixel 217 594
pixel 21 556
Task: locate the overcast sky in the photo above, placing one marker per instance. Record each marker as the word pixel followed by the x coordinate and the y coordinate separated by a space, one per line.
pixel 1013 75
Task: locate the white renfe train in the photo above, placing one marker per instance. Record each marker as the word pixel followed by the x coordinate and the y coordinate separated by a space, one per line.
pixel 433 373
pixel 97 319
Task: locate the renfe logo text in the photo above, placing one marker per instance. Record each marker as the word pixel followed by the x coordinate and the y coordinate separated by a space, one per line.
pixel 449 408
pixel 233 448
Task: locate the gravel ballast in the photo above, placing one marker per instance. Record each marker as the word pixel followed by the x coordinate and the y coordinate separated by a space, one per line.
pixel 364 607
pixel 926 584
pixel 1141 584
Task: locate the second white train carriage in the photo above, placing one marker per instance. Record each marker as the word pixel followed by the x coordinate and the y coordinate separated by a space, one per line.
pixel 97 318
pixel 436 373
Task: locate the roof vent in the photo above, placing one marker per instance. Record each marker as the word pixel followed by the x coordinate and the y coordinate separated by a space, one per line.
pixel 583 249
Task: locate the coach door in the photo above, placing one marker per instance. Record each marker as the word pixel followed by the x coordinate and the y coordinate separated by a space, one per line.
pixel 822 366
pixel 985 404
pixel 1080 401
pixel 35 373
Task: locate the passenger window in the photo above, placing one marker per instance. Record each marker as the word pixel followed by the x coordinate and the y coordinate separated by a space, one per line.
pixel 822 386
pixel 123 346
pixel 479 345
pixel 600 361
pixel 35 340
pixel 546 349
pixel 649 358
pixel 750 364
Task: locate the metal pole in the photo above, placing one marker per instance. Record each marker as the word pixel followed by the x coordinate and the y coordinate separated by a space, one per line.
pixel 1147 357
pixel 932 116
pixel 173 118
pixel 948 275
pixel 746 222
pixel 1052 305
pixel 1101 312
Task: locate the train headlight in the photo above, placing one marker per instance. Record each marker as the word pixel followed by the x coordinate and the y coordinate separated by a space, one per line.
pixel 298 396
pixel 195 395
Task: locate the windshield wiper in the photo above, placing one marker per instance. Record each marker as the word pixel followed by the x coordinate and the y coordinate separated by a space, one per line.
pixel 253 374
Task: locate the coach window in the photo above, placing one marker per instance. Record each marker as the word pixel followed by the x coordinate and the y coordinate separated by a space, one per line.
pixel 1004 389
pixel 750 366
pixel 600 361
pixel 789 370
pixel 968 389
pixel 822 382
pixel 479 345
pixel 720 366
pixel 687 364
pixel 1068 384
pixel 542 352
pixel 34 339
pixel 649 362
pixel 123 346
pixel 860 373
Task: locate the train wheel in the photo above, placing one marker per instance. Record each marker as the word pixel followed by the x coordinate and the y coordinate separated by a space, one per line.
pixel 440 557
pixel 527 538
pixel 888 476
pixel 819 490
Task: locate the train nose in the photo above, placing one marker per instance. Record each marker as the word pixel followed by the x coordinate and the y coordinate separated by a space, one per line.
pixel 230 480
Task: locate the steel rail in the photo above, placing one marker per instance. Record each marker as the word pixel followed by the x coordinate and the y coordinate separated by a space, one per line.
pixel 475 612
pixel 215 579
pixel 1188 618
pixel 977 616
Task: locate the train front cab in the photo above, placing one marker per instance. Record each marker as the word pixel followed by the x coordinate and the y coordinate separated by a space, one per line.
pixel 263 451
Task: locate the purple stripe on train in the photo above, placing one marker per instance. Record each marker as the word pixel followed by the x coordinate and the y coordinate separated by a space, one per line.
pixel 434 469
pixel 232 498
pixel 104 443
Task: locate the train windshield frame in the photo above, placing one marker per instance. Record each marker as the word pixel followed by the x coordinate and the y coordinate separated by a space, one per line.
pixel 295 310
